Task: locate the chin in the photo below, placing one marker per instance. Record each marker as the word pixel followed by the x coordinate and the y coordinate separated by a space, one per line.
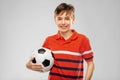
pixel 64 30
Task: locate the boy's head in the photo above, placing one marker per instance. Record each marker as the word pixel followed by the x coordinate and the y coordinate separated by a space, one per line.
pixel 64 16
pixel 64 8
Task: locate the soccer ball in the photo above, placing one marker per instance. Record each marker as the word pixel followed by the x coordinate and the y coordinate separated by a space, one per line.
pixel 45 58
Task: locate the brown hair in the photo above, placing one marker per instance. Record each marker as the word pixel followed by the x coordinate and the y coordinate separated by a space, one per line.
pixel 64 7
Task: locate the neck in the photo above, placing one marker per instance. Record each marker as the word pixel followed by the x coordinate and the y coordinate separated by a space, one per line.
pixel 66 34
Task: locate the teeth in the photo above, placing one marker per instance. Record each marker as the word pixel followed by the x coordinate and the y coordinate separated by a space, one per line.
pixel 63 26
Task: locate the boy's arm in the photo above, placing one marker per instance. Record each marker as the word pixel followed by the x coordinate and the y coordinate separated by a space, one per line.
pixel 32 66
pixel 89 71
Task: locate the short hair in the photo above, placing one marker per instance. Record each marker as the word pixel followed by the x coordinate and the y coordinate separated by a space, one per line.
pixel 64 7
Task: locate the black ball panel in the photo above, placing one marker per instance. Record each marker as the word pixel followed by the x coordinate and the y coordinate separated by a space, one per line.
pixel 34 60
pixel 46 62
pixel 41 51
pixel 52 54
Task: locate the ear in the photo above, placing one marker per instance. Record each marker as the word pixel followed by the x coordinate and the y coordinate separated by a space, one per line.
pixel 55 20
pixel 73 20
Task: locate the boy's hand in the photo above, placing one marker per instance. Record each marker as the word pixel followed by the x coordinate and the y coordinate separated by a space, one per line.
pixel 33 66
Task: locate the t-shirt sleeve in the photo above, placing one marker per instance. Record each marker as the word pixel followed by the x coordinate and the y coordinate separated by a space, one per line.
pixel 46 43
pixel 87 52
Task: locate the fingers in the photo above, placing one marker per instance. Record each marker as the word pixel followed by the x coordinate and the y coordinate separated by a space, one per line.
pixel 33 66
pixel 32 58
pixel 36 67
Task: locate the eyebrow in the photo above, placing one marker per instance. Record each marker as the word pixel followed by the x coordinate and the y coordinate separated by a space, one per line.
pixel 65 16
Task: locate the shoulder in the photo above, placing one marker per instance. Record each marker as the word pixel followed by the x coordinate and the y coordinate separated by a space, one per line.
pixel 83 36
pixel 48 40
pixel 51 37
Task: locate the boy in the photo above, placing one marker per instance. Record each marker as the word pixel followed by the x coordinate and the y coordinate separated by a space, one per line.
pixel 69 47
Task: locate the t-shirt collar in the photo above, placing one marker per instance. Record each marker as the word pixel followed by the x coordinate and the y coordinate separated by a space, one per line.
pixel 74 35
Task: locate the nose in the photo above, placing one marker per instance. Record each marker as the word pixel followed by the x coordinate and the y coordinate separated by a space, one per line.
pixel 63 21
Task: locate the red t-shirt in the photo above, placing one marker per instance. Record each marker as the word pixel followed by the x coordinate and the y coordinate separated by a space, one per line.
pixel 69 56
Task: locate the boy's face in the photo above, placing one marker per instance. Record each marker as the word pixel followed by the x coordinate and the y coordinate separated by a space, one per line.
pixel 64 21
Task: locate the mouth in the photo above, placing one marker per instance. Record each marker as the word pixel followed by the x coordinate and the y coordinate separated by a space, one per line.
pixel 63 27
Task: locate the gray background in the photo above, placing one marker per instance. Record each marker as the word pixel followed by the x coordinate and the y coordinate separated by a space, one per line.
pixel 24 24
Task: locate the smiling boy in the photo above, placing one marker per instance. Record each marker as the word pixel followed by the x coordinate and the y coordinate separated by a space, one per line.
pixel 70 48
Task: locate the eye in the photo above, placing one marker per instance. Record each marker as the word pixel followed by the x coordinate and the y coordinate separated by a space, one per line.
pixel 59 18
pixel 67 18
